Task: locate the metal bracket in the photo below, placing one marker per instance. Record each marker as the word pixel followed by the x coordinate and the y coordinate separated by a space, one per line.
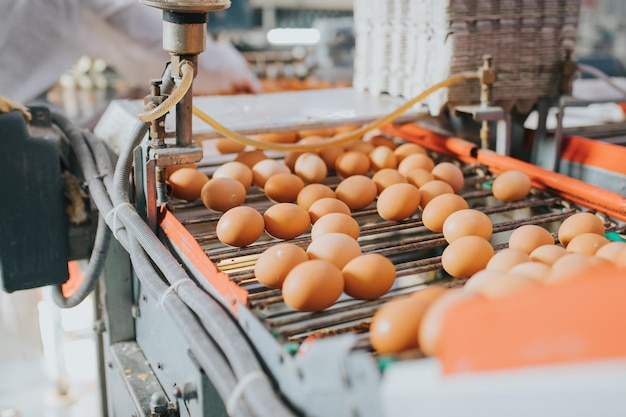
pixel 142 384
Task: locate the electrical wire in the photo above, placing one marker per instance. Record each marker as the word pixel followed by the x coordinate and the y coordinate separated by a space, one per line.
pixel 339 139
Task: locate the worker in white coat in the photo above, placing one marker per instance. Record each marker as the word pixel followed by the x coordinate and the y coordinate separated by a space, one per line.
pixel 40 39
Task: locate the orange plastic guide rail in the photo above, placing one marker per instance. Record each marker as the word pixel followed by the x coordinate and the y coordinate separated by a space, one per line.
pixel 74 280
pixel 185 242
pixel 581 319
pixel 579 192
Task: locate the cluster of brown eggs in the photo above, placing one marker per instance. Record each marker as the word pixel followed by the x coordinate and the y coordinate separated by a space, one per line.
pixel 401 180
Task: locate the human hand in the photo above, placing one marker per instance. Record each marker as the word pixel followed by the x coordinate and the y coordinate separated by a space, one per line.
pixel 223 70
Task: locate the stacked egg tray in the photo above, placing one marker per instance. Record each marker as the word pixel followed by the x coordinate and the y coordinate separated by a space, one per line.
pixel 414 250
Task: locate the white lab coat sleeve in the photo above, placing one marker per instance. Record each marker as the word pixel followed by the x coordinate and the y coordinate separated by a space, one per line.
pixel 138 55
pixel 39 39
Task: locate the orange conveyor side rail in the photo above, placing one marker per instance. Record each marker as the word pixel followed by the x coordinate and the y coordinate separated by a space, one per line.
pixel 187 244
pixel 577 191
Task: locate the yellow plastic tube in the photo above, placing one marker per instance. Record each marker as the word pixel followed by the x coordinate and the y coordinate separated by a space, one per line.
pixel 339 139
pixel 186 70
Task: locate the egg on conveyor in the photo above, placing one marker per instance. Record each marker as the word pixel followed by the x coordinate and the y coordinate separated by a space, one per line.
pixel 398 201
pixel 529 237
pixel 283 187
pixel 240 226
pixel 466 256
pixel 511 185
pixel 313 192
pixel 187 183
pixel 222 194
pixel 275 262
pixel 336 223
pixel 368 276
pixel 337 248
pixel 579 223
pixel 325 206
pixel 394 327
pixel 357 191
pixel 286 220
pixel 312 285
pixel 440 208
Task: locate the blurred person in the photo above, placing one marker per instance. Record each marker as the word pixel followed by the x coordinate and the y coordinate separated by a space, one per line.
pixel 41 39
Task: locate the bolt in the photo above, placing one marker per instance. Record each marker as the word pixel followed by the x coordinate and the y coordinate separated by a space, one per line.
pixel 159 365
pixel 190 392
pixel 158 403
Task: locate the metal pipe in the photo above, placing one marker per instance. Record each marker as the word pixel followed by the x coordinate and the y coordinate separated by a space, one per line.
pixel 184 117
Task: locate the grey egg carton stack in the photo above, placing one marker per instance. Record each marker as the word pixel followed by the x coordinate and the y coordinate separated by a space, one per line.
pixel 405 46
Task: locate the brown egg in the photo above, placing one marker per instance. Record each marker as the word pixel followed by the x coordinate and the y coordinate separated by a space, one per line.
pixel 419 176
pixel 357 191
pixel 228 145
pixel 346 129
pixel 381 140
pixel 467 222
pixel 572 264
pixel 507 258
pixel 611 251
pixel 352 163
pixel 240 226
pixel 529 237
pixel 466 256
pixel 222 194
pixel 507 285
pixel 382 157
pixel 337 248
pixel 579 223
pixel 481 278
pixel 235 170
pixel 398 202
pixel 587 243
pixel 511 186
pixel 173 168
pixel 283 187
pixel 620 260
pixel 433 189
pixel 359 146
pixel 311 168
pixel 264 169
pixel 324 132
pixel 291 158
pixel 385 177
pixel 286 220
pixel 535 270
pixel 368 276
pixel 415 161
pixel 312 286
pixel 187 183
pixel 275 262
pixel 335 223
pixel 429 333
pixel 277 137
pixel 406 149
pixel 313 192
pixel 439 208
pixel 395 324
pixel 250 158
pixel 450 173
pixel 327 205
pixel 548 254
pixel 330 155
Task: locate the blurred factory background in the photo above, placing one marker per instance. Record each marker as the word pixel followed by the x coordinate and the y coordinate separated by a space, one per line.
pixel 50 370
